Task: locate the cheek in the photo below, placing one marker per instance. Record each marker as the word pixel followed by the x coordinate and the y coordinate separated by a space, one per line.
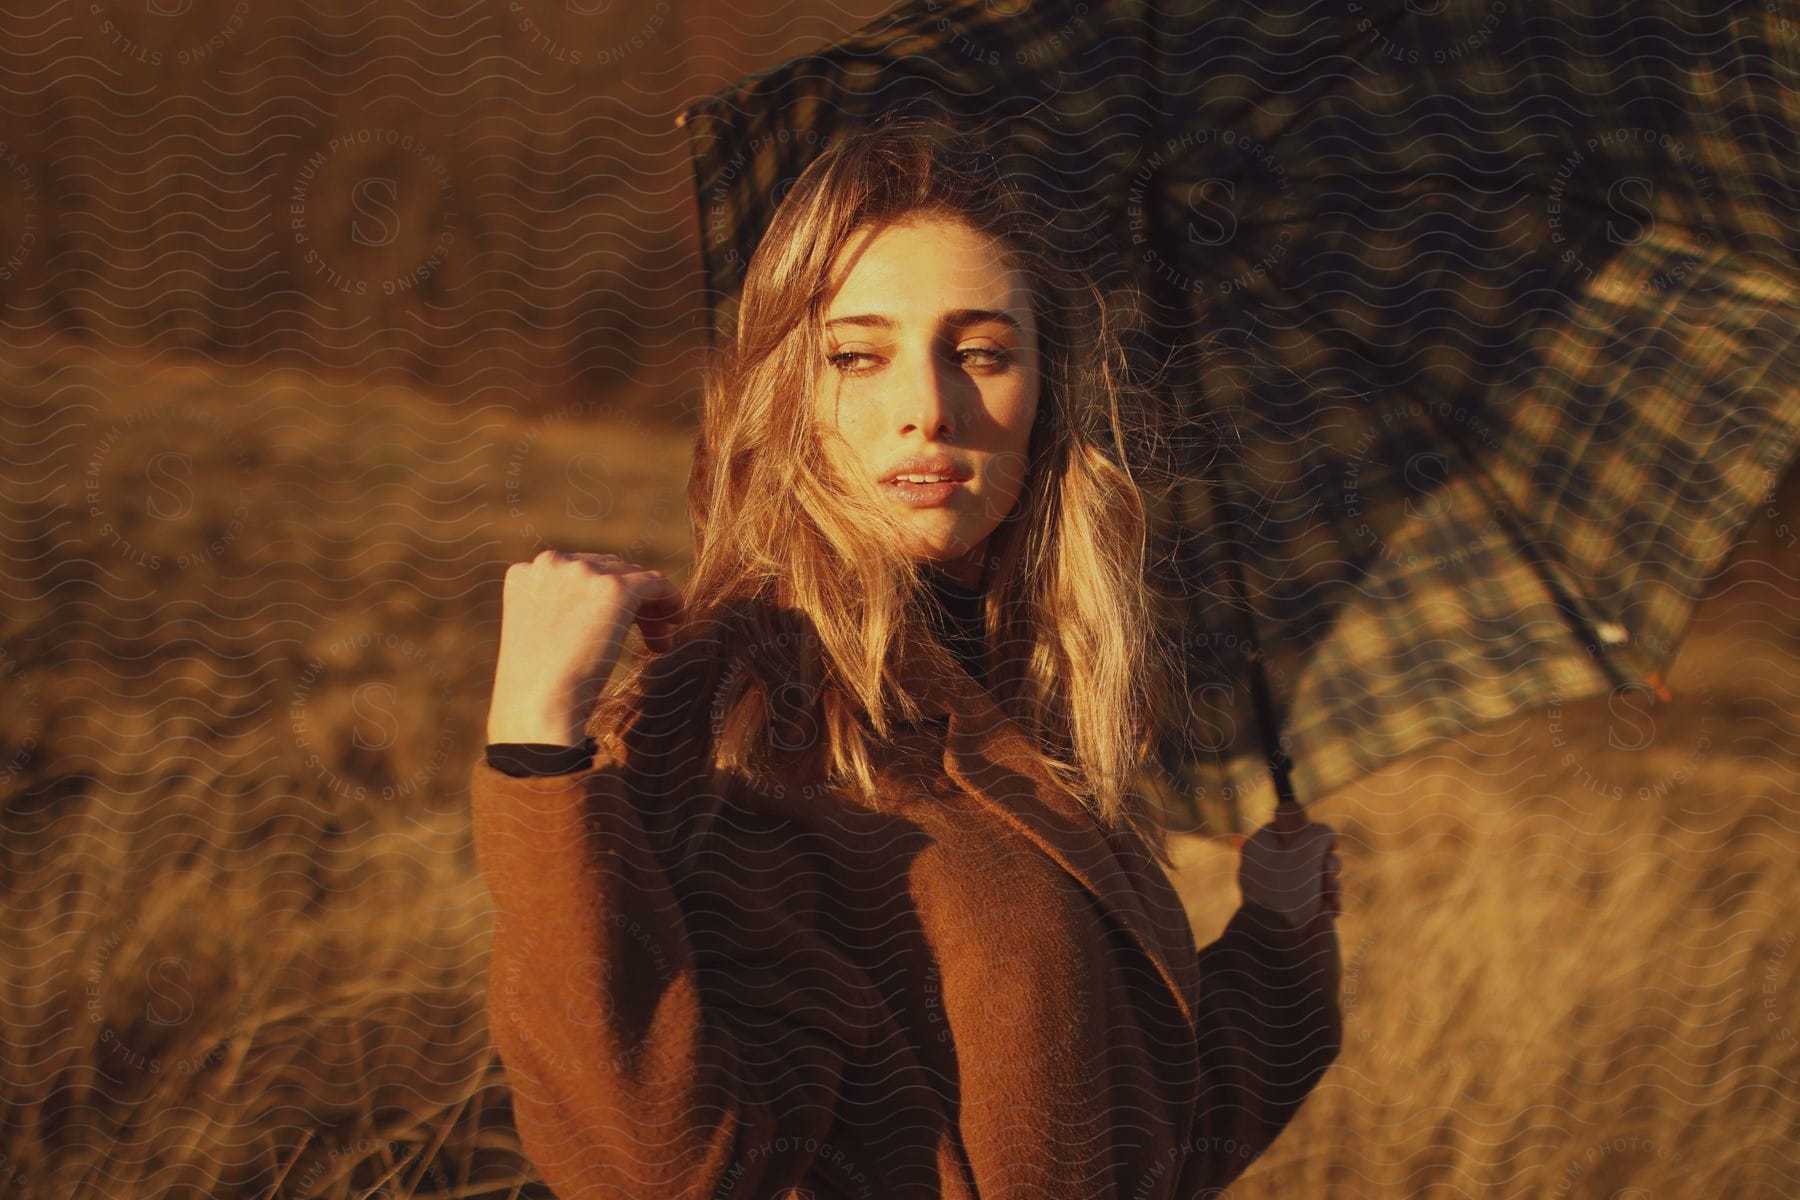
pixel 847 436
pixel 853 428
pixel 1015 412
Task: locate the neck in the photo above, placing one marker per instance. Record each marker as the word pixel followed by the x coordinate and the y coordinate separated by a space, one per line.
pixel 967 569
pixel 957 576
pixel 955 614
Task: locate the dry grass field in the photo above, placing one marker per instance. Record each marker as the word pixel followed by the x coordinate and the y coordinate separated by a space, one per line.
pixel 250 617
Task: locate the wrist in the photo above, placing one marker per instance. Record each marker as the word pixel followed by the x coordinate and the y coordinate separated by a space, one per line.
pixel 551 723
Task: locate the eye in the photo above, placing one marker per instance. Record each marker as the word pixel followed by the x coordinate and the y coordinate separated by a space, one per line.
pixel 842 359
pixel 986 356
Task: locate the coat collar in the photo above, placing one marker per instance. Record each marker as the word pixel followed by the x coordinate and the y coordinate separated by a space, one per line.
pixel 988 755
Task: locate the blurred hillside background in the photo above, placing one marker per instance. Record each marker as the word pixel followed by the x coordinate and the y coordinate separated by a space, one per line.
pixel 280 404
pixel 461 196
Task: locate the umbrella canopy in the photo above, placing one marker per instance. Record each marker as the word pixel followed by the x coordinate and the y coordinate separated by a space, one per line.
pixel 1498 296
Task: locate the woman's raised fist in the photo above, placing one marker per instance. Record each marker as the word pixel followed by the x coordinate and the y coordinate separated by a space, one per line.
pixel 563 623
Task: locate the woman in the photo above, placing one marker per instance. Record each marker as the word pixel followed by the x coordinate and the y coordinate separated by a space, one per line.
pixel 846 891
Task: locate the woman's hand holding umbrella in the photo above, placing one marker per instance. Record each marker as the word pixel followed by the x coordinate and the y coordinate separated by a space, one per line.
pixel 1290 866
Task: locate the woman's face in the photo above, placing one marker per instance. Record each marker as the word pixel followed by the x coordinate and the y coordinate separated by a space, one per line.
pixel 931 352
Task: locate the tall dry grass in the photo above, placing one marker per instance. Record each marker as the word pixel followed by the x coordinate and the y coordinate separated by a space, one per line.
pixel 250 619
pixel 1555 984
pixel 249 623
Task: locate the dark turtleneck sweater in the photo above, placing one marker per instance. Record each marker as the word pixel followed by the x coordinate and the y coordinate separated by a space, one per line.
pixel 954 614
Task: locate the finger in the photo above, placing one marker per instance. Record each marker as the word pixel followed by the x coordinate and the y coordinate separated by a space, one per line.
pixel 659 611
pixel 658 598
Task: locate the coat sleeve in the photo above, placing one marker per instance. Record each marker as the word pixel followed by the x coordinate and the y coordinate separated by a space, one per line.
pixel 1270 1024
pixel 656 1008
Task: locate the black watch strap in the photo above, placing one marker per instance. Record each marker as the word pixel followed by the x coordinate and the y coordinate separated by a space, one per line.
pixel 540 758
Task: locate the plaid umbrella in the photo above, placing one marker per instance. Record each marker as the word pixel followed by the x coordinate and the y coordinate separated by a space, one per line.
pixel 1497 296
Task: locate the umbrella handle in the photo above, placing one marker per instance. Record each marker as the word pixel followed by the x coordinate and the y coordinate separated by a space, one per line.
pixel 1290 818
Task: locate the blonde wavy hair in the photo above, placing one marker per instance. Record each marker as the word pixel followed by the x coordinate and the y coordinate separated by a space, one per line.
pixel 799 579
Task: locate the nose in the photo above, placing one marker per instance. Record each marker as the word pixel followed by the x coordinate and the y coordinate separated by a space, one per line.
pixel 927 396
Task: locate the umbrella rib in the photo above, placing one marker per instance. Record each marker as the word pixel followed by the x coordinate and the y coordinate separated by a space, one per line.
pixel 1530 186
pixel 1526 186
pixel 1378 32
pixel 1495 498
pixel 1530 543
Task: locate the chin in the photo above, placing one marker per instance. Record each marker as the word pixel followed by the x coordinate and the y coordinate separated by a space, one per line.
pixel 943 549
pixel 934 544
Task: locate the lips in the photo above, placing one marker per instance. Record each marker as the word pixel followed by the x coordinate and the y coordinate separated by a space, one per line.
pixel 927 465
pixel 922 495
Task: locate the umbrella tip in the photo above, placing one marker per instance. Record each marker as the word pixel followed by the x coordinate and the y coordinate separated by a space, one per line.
pixel 1660 688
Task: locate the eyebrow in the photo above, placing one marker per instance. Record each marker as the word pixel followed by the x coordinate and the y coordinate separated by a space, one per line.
pixel 959 317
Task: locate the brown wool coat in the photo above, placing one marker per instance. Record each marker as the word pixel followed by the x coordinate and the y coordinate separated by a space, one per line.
pixel 726 987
